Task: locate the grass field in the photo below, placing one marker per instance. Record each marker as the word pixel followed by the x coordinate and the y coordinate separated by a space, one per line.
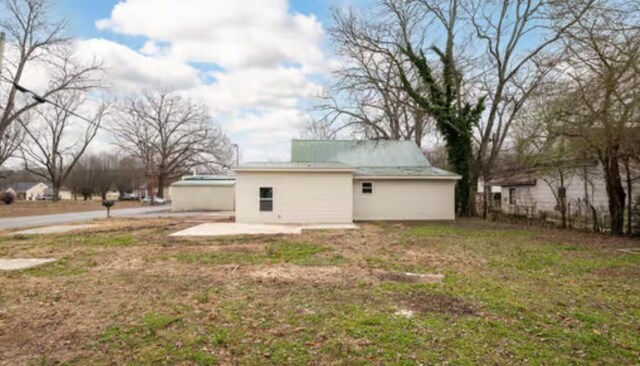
pixel 129 294
pixel 28 208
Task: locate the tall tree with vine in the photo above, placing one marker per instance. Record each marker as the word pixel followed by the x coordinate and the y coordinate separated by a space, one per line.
pixel 441 98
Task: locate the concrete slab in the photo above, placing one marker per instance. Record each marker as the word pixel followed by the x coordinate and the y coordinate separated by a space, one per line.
pixel 55 229
pixel 330 227
pixel 14 264
pixel 231 228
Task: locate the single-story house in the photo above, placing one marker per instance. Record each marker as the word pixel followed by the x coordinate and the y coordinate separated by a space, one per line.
pixel 203 193
pixel 531 192
pixel 342 181
pixel 27 190
pixel 63 194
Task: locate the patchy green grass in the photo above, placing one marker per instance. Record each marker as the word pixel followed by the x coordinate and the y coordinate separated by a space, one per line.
pixel 299 253
pixel 510 295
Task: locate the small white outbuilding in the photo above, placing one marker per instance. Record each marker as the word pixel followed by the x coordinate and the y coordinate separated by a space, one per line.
pixel 203 193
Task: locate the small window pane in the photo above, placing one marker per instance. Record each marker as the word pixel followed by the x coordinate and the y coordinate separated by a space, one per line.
pixel 266 205
pixel 367 187
pixel 266 192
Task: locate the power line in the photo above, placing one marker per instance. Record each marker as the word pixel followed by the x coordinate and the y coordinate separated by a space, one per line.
pixel 42 100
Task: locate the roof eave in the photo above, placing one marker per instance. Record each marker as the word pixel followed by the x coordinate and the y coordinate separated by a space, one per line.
pixel 409 177
pixel 291 169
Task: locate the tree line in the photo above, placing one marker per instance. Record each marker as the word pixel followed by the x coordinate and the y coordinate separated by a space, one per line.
pixel 541 82
pixel 159 133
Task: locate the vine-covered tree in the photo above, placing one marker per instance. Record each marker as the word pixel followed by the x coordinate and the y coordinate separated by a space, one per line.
pixel 440 97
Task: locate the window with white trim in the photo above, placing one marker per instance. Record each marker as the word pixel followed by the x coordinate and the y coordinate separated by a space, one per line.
pixel 367 187
pixel 266 199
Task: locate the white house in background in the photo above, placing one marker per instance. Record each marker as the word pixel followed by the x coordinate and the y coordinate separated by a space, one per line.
pixel 63 194
pixel 343 181
pixel 529 193
pixel 203 193
pixel 27 190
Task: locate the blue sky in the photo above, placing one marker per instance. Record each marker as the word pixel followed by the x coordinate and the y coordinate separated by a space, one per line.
pixel 257 64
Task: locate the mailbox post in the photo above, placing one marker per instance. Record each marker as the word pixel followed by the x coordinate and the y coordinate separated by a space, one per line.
pixel 108 204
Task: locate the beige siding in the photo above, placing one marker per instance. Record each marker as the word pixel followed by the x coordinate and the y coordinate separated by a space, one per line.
pixel 202 198
pixel 36 192
pixel 298 197
pixel 404 199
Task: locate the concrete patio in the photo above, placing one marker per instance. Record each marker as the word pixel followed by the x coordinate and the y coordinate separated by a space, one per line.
pixel 231 228
pixel 14 264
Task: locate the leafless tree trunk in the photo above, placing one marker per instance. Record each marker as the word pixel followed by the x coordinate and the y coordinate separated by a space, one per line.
pixel 516 62
pixel 32 37
pixel 604 60
pixel 171 135
pixel 52 147
pixel 367 97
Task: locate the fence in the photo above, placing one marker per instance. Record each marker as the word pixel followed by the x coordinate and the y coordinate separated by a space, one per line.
pixel 578 216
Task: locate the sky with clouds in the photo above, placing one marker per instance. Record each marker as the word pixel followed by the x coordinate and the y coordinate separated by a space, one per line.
pixel 255 63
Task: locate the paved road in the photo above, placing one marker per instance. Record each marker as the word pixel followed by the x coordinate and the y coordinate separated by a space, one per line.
pixel 64 218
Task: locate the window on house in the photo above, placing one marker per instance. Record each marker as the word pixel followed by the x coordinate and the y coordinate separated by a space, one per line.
pixel 266 198
pixel 367 187
pixel 512 196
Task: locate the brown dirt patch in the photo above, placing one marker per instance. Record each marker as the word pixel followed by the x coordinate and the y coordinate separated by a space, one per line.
pixel 313 275
pixel 409 277
pixel 438 303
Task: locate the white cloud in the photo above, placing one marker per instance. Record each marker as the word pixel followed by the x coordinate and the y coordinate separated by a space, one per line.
pixel 264 58
pixel 232 34
pixel 256 88
pixel 266 135
pixel 130 71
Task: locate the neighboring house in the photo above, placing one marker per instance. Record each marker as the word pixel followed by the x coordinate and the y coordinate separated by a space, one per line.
pixel 63 194
pixel 27 190
pixel 532 193
pixel 203 193
pixel 343 181
pixel 495 198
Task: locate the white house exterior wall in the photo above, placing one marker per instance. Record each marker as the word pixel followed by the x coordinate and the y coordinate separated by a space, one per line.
pixel 202 198
pixel 298 197
pixel 36 191
pixel 404 199
pixel 540 197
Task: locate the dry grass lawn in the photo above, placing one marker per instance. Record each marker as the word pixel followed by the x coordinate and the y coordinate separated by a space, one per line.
pixel 129 294
pixel 29 208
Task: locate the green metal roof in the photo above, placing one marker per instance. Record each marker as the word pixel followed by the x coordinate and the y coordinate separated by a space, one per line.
pixel 378 153
pixel 295 165
pixel 403 171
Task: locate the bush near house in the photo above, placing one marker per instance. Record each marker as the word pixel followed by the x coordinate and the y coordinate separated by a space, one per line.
pixel 8 197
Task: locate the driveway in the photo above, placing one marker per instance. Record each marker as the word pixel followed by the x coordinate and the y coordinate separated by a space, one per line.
pixel 43 220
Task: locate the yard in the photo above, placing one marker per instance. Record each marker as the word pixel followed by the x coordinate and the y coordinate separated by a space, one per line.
pixel 129 294
pixel 28 208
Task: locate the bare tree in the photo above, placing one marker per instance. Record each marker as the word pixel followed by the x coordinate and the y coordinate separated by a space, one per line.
pixel 520 39
pixel 170 135
pixel 366 97
pixel 34 39
pixel 10 142
pixel 604 103
pixel 54 139
pixel 128 175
